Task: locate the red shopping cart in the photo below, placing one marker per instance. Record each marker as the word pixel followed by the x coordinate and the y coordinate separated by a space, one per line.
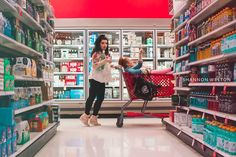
pixel 154 85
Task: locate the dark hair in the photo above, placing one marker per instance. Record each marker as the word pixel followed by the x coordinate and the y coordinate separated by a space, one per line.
pixel 123 62
pixel 97 47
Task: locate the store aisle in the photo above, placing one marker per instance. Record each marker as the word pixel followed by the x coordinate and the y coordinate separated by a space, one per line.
pixel 138 137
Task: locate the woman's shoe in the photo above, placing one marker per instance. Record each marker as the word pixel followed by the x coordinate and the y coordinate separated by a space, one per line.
pixel 94 121
pixel 84 118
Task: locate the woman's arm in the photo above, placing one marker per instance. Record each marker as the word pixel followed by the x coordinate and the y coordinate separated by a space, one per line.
pixel 96 64
pixel 140 60
pixel 133 71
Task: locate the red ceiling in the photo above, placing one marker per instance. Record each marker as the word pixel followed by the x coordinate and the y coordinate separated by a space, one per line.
pixel 111 8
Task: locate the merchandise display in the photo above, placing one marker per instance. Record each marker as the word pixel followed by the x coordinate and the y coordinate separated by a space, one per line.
pixel 26 67
pixel 205 65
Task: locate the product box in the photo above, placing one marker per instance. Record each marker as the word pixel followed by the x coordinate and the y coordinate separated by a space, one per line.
pixel 34 68
pixel 76 94
pixel 70 82
pixel 9 147
pixel 74 69
pixel 3 134
pixel 64 67
pixel 7 67
pixel 23 132
pixel 3 149
pixel 70 77
pixel 181 119
pixel 36 125
pixel 14 144
pixel 9 116
pixel 64 53
pixel 1 66
pixel 8 83
pixel 1 83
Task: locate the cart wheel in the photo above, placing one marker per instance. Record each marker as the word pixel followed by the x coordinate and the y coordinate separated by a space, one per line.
pixel 119 122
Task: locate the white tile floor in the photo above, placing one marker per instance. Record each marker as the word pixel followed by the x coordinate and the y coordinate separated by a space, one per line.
pixel 143 137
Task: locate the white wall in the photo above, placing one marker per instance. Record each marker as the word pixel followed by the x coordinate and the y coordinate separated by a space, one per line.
pixel 112 23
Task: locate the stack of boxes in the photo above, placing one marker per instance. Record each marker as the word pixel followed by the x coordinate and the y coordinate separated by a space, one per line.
pixel 6 79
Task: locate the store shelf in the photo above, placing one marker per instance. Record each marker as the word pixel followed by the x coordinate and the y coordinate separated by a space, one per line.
pixel 137 46
pixel 214 34
pixel 67 46
pixel 164 59
pixel 21 78
pixel 214 113
pixel 67 73
pixel 67 59
pixel 108 45
pixel 24 17
pixel 198 137
pixel 6 93
pixel 182 42
pixel 182 9
pixel 182 57
pixel 213 59
pixel 182 73
pixel 34 136
pixel 221 84
pixel 209 10
pixel 180 26
pixel 69 86
pixel 182 88
pixel 5 6
pixel 48 44
pixel 22 110
pixel 164 46
pixel 17 48
pixel 48 26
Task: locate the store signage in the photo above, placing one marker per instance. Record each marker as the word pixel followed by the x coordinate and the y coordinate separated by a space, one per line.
pixel 111 9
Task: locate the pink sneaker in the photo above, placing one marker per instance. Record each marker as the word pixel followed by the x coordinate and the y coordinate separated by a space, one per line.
pixel 94 121
pixel 84 118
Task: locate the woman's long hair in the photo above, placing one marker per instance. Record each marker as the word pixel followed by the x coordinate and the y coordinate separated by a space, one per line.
pixel 97 47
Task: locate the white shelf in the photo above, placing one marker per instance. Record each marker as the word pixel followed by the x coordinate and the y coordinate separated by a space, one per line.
pixel 214 34
pixel 69 86
pixel 16 46
pixel 182 88
pixel 67 46
pixel 182 57
pixel 209 10
pixel 20 78
pixel 182 42
pixel 164 46
pixel 219 114
pixel 180 26
pixel 164 59
pixel 22 110
pixel 229 84
pixel 182 73
pixel 197 137
pixel 137 46
pixel 67 59
pixel 48 26
pixel 5 93
pixel 34 136
pixel 47 43
pixel 108 45
pixel 213 59
pixel 67 73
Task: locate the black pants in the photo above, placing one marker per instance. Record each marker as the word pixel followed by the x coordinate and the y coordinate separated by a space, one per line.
pixel 96 90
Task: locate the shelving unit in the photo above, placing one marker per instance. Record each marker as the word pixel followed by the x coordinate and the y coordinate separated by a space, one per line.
pixel 11 48
pixel 180 26
pixel 26 109
pixel 67 73
pixel 67 59
pixel 15 48
pixel 185 133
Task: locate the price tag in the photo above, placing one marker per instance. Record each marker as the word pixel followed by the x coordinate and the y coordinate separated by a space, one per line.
pixel 19 10
pixel 214 154
pixel 226 120
pixel 213 91
pixel 193 142
pixel 225 90
pixel 188 111
pixel 179 133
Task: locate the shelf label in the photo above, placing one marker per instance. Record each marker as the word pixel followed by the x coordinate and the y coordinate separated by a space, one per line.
pixel 213 92
pixel 179 133
pixel 226 120
pixel 193 142
pixel 214 154
pixel 225 90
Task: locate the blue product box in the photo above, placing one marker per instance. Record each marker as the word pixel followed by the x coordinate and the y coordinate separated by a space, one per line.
pixel 4 150
pixel 75 94
pixel 13 130
pixel 9 116
pixel 3 134
pixel 14 144
pixel 9 147
pixel 67 94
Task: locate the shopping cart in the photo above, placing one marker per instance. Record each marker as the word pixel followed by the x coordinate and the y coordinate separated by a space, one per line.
pixel 162 87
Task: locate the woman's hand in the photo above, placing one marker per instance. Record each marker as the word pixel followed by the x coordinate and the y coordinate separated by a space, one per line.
pixel 108 59
pixel 141 54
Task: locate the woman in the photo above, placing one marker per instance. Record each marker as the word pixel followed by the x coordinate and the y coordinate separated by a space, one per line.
pixel 130 67
pixel 99 76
